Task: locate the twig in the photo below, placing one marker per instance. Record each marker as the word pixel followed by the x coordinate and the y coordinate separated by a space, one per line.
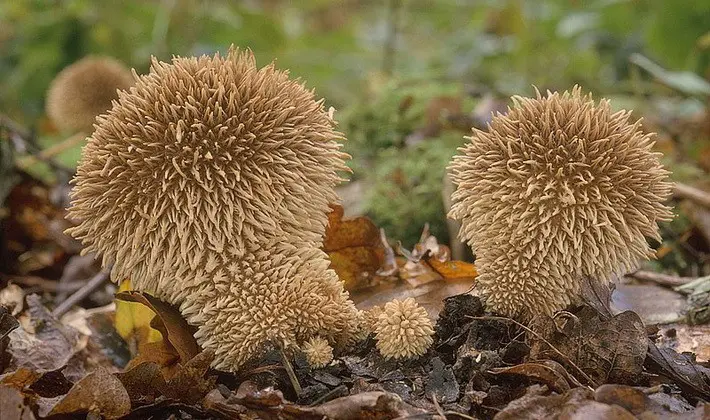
pixel 80 294
pixel 437 407
pixel 697 195
pixel 658 278
pixel 51 286
pixel 457 414
pixel 29 145
pixel 291 374
pixel 539 337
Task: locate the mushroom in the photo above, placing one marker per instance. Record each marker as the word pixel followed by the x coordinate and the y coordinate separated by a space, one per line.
pixel 318 352
pixel 208 185
pixel 84 90
pixel 403 330
pixel 558 188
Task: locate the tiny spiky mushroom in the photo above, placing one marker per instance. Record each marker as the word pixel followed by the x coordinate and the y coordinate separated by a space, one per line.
pixel 558 188
pixel 403 330
pixel 85 90
pixel 208 185
pixel 318 352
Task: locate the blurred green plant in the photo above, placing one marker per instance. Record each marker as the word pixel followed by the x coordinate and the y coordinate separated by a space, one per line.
pixel 402 139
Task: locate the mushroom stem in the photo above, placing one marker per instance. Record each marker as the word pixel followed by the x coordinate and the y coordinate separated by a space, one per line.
pixel 289 370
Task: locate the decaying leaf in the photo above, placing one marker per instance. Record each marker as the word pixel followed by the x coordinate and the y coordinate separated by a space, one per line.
pixel 13 405
pixel 178 344
pixel 692 378
pixel 548 372
pixel 48 347
pixel 99 392
pixel 269 403
pixel 354 247
pixel 430 261
pixel 133 321
pixel 189 384
pixel 577 403
pixel 143 382
pixel 608 350
pixel 7 322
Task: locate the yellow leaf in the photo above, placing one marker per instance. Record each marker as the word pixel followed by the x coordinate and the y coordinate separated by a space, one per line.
pixel 133 321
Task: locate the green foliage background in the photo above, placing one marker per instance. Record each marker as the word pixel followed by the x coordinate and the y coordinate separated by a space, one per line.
pixel 346 51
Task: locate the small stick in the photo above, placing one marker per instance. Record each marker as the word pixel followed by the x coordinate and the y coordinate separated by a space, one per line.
pixel 659 278
pixel 291 374
pixel 539 337
pixel 51 286
pixel 80 294
pixel 697 195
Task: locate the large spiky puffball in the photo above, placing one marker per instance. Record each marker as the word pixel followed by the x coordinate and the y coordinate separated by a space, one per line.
pixel 84 90
pixel 557 188
pixel 208 185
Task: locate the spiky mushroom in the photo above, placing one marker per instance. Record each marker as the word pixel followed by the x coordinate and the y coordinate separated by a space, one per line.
pixel 84 90
pixel 318 352
pixel 403 330
pixel 558 188
pixel 208 185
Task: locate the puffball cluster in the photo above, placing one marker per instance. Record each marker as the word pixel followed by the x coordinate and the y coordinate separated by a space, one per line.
pixel 403 330
pixel 84 90
pixel 556 189
pixel 208 185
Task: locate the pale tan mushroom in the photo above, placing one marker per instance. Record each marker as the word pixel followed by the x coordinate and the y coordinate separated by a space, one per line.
pixel 208 185
pixel 84 90
pixel 558 188
pixel 318 352
pixel 403 330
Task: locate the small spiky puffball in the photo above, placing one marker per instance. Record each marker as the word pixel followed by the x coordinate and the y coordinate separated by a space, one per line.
pixel 318 352
pixel 403 330
pixel 84 90
pixel 208 185
pixel 556 189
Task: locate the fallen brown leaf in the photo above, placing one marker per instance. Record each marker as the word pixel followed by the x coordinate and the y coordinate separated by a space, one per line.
pixel 355 250
pixel 178 344
pixel 99 392
pixel 270 404
pixel 551 374
pixel 49 347
pixel 143 382
pixel 608 350
pixel 189 384
pixel 577 403
pixel 13 405
pixel 692 378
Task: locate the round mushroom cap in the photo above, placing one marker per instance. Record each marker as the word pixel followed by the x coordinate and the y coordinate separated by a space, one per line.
pixel 558 188
pixel 318 352
pixel 85 90
pixel 403 330
pixel 208 185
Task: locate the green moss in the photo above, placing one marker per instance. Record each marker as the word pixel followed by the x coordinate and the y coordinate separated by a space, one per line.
pixel 406 193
